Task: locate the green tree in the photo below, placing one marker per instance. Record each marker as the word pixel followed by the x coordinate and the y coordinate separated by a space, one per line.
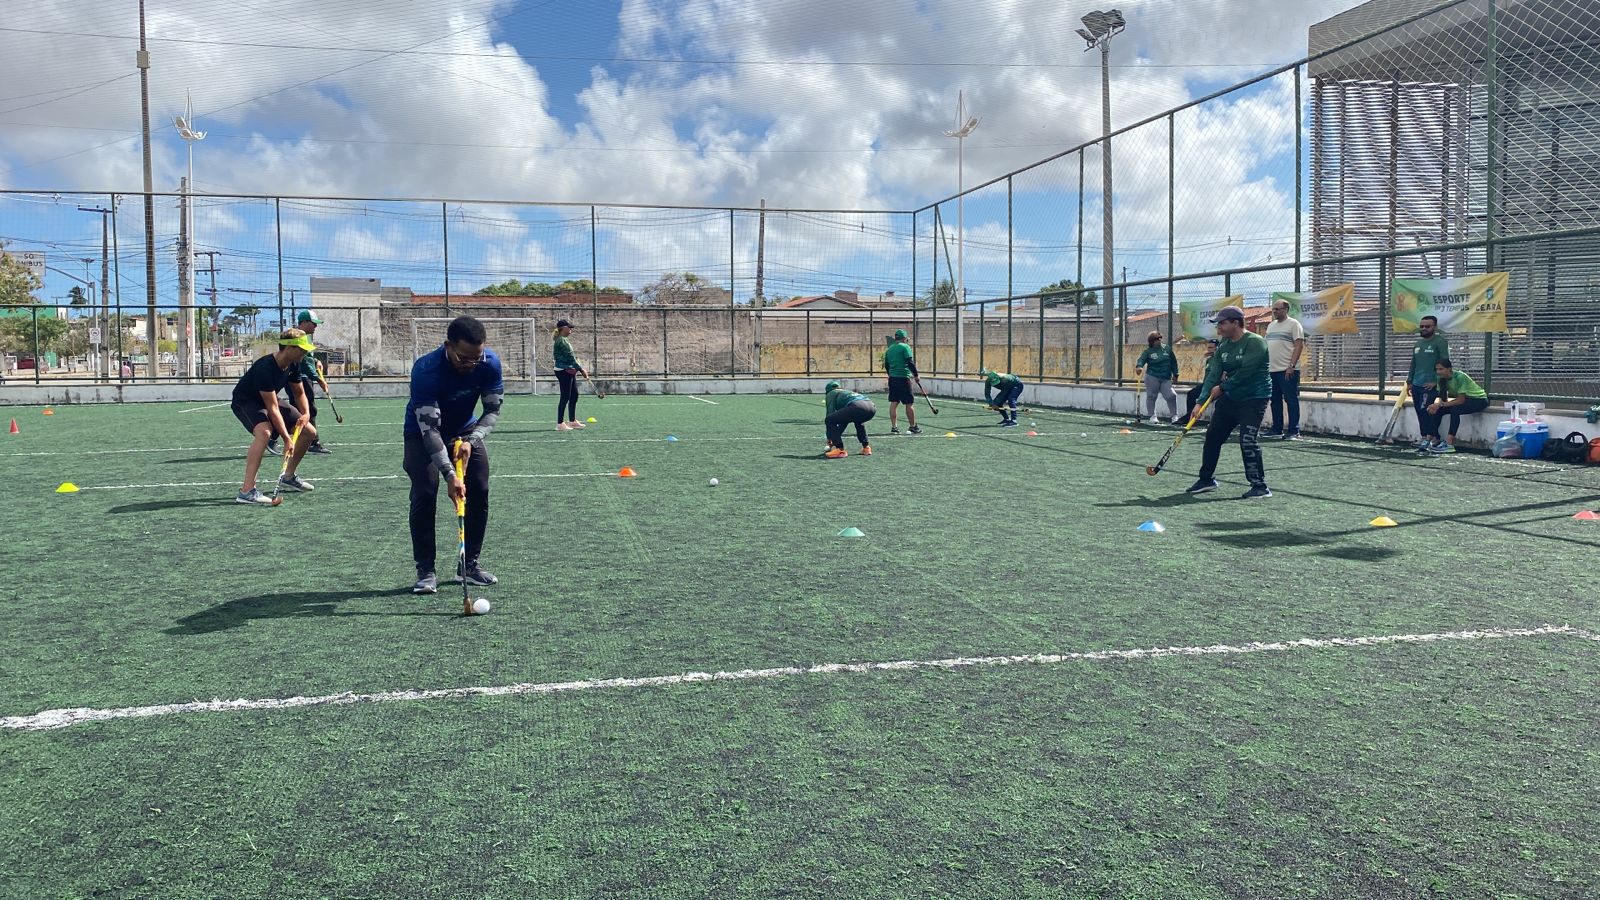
pixel 17 284
pixel 1063 292
pixel 76 296
pixel 941 293
pixel 673 288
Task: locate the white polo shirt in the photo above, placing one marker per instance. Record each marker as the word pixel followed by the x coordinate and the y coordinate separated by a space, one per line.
pixel 1280 342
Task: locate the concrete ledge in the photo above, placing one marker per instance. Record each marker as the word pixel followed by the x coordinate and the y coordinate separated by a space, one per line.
pixel 1340 416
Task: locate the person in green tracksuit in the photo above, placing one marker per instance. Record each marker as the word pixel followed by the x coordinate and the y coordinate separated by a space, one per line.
pixel 1009 388
pixel 1458 396
pixel 1239 387
pixel 901 365
pixel 567 371
pixel 1159 366
pixel 1431 347
pixel 844 408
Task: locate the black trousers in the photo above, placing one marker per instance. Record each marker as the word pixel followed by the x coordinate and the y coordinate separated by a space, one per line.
pixel 1227 415
pixel 425 495
pixel 858 414
pixel 567 406
pixel 1472 405
pixel 1420 398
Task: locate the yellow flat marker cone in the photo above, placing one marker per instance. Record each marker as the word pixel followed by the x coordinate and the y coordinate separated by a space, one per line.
pixel 590 420
pixel 950 434
pixel 1383 522
pixel 67 487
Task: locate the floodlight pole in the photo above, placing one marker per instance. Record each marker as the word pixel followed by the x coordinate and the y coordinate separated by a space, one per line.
pixel 185 125
pixel 964 127
pixel 1099 28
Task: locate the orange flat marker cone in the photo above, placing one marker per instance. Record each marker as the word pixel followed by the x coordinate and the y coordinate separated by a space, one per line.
pixel 1126 431
pixel 48 411
pixel 627 473
pixel 1033 434
pixel 1587 515
pixel 14 429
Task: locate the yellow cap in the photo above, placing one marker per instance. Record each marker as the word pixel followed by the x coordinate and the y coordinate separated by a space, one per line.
pixel 303 342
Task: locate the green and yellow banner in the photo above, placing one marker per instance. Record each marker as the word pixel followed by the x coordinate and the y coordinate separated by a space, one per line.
pixel 1476 303
pixel 1331 310
pixel 1194 315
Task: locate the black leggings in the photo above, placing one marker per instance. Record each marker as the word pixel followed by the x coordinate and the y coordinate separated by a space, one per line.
pixel 1245 415
pixel 567 406
pixel 858 414
pixel 425 496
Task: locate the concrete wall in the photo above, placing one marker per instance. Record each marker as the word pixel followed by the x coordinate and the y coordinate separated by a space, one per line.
pixel 1347 417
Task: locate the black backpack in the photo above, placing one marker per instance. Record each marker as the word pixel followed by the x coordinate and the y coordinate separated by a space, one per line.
pixel 1570 450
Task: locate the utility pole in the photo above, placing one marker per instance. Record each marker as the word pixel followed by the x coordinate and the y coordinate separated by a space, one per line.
pixel 143 61
pixel 761 254
pixel 103 359
pixel 211 258
pixel 1099 28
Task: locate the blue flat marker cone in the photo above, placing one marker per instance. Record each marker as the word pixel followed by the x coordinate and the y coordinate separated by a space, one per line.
pixel 672 439
pixel 1153 527
pixel 852 531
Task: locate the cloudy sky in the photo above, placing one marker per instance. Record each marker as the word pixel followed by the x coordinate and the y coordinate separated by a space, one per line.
pixel 801 103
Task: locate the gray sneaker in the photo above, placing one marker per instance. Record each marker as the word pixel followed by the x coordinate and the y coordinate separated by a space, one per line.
pixel 318 448
pixel 272 447
pixel 427 583
pixel 296 483
pixel 252 496
pixel 476 574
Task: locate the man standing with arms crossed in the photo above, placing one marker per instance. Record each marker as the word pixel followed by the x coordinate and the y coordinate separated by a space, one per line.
pixel 901 365
pixel 1286 340
pixel 1431 347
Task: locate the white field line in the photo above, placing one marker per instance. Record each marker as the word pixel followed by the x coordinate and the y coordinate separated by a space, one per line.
pixel 63 718
pixel 335 478
pixel 207 406
pixel 493 442
pixel 703 400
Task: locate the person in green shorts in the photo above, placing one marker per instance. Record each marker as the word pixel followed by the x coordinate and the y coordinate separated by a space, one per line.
pixel 1005 402
pixel 901 365
pixel 1431 347
pixel 1458 396
pixel 1239 387
pixel 1159 368
pixel 844 408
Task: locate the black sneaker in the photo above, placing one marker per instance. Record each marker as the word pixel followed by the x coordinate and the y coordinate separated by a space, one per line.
pixel 272 446
pixel 1008 423
pixel 427 582
pixel 1277 435
pixel 1203 486
pixel 914 430
pixel 1256 492
pixel 477 575
pixel 318 448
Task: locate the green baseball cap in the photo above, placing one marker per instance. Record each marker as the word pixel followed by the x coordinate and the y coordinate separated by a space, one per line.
pixel 307 315
pixel 899 334
pixel 831 386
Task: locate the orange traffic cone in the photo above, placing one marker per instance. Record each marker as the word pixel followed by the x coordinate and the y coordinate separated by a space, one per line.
pixel 14 429
pixel 626 473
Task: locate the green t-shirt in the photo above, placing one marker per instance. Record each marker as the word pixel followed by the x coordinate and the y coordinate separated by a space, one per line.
pixel 1241 368
pixel 1462 385
pixel 308 369
pixel 1001 380
pixel 898 359
pixel 563 354
pixel 1158 362
pixel 839 398
pixel 1423 356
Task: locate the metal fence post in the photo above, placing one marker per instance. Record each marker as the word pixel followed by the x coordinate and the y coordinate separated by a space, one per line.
pixel 1172 216
pixel 361 360
pixel 983 341
pixel 808 343
pixel 1492 139
pixel 872 340
pixel 1299 187
pixel 733 341
pixel 1010 288
pixel 665 368
pixel 444 217
pixel 1041 337
pixel 35 317
pixel 594 295
pixel 1384 270
pixel 277 222
pixel 1077 299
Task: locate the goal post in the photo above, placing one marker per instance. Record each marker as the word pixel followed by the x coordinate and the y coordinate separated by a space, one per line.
pixel 514 340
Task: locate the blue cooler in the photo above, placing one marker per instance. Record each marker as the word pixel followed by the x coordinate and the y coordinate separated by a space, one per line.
pixel 1532 435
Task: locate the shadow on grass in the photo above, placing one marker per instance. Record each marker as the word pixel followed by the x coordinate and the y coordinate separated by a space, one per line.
pixel 803 457
pixel 1166 502
pixel 1249 525
pixel 1275 538
pixel 202 459
pixel 159 505
pixel 286 605
pixel 1359 554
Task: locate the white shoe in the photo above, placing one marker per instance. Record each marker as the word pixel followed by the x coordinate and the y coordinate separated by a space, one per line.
pixel 576 425
pixel 1155 420
pixel 562 426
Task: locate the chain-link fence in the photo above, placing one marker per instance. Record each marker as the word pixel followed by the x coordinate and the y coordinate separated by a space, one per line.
pixel 1415 140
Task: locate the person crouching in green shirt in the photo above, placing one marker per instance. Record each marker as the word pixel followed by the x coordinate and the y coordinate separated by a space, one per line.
pixel 901 365
pixel 1238 387
pixel 845 408
pixel 1459 396
pixel 1005 402
pixel 1159 366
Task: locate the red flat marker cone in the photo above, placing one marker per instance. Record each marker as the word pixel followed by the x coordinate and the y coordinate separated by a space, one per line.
pixel 1587 515
pixel 627 473
pixel 1033 434
pixel 14 429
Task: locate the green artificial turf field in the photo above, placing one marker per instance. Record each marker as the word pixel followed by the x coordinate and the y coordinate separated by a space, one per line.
pixel 1453 754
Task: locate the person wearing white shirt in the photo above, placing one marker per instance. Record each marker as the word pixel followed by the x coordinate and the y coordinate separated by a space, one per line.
pixel 1286 340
